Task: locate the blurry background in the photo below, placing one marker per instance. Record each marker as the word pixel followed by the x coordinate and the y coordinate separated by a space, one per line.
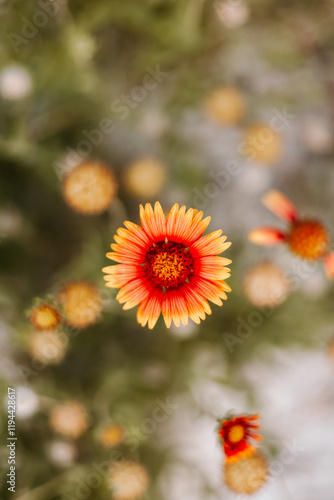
pixel 165 93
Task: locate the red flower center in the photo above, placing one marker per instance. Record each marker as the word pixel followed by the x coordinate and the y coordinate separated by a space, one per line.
pixel 169 264
pixel 308 239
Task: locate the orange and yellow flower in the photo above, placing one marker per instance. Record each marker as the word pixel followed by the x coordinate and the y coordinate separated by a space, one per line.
pixel 307 238
pixel 45 317
pixel 167 266
pixel 235 433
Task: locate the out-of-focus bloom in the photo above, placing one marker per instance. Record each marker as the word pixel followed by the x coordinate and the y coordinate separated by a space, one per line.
pixel 246 475
pixel 45 317
pixel 15 82
pixel 11 222
pixel 236 433
pixel 82 303
pixel 90 188
pixel 317 135
pixel 47 347
pixel 266 285
pixel 232 14
pixel 111 435
pixel 69 419
pixel 27 402
pixel 262 144
pixel 128 480
pixel 307 238
pixel 168 266
pixel 226 105
pixel 61 453
pixel 145 178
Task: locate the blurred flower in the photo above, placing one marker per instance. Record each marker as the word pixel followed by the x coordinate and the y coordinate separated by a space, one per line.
pixel 317 135
pixel 246 475
pixel 145 178
pixel 262 144
pixel 266 285
pixel 61 453
pixel 10 222
pixel 27 402
pixel 226 105
pixel 153 123
pixel 90 188
pixel 82 303
pixel 168 266
pixel 69 419
pixel 47 347
pixel 306 238
pixel 235 433
pixel 232 14
pixel 45 317
pixel 15 82
pixel 111 435
pixel 81 46
pixel 128 480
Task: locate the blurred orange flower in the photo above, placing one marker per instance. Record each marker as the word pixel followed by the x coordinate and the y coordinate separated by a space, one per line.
pixel 168 266
pixel 45 317
pixel 82 303
pixel 306 238
pixel 90 188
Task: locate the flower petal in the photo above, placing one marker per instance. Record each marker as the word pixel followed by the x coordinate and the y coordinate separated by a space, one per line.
pixel 149 309
pixel 178 223
pixel 153 222
pixel 134 292
pixel 280 205
pixel 197 306
pixel 211 290
pixel 211 244
pixel 266 236
pixel 174 308
pixel 118 275
pixel 212 267
pixel 329 265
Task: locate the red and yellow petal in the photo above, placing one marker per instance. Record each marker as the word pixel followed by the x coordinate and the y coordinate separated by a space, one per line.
pixel 196 227
pixel 211 244
pixel 210 290
pixel 134 292
pixel 280 205
pixel 212 267
pixel 153 221
pixel 118 275
pixel 174 308
pixel 266 236
pixel 178 223
pixel 149 309
pixel 197 306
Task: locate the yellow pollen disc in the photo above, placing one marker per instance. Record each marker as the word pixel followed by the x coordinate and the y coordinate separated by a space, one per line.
pixel 236 433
